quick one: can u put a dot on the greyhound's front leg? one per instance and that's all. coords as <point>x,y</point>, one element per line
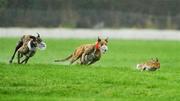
<point>25,60</point>
<point>92,62</point>
<point>19,56</point>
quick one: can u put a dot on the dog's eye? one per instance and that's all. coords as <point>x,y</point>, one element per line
<point>39,40</point>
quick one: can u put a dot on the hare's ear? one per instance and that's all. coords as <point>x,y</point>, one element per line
<point>38,35</point>
<point>98,39</point>
<point>157,60</point>
<point>152,59</point>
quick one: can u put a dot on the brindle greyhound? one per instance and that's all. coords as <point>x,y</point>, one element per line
<point>27,47</point>
<point>88,53</point>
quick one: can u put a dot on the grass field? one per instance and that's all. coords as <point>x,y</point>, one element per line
<point>113,78</point>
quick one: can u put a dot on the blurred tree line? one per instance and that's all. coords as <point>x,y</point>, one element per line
<point>91,13</point>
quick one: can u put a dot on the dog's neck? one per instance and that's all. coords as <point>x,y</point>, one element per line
<point>32,46</point>
<point>97,47</point>
<point>97,50</point>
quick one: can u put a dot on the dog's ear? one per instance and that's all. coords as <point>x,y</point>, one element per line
<point>38,35</point>
<point>99,40</point>
<point>33,37</point>
<point>106,39</point>
<point>157,60</point>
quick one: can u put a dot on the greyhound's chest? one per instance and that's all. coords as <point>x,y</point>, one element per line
<point>91,57</point>
<point>27,51</point>
<point>23,49</point>
<point>30,53</point>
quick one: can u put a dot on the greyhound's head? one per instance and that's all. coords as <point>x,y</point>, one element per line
<point>102,44</point>
<point>40,44</point>
<point>38,38</point>
<point>36,42</point>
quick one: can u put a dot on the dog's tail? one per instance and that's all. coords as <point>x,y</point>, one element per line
<point>62,60</point>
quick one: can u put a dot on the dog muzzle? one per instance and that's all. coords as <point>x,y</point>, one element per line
<point>103,49</point>
<point>42,46</point>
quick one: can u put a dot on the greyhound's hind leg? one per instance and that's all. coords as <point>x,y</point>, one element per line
<point>19,57</point>
<point>73,59</point>
<point>20,43</point>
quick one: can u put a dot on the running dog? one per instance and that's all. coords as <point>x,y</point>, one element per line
<point>27,47</point>
<point>88,53</point>
<point>150,65</point>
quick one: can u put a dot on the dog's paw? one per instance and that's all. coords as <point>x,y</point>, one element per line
<point>10,61</point>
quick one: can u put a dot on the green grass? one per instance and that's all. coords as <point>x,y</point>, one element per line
<point>114,77</point>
